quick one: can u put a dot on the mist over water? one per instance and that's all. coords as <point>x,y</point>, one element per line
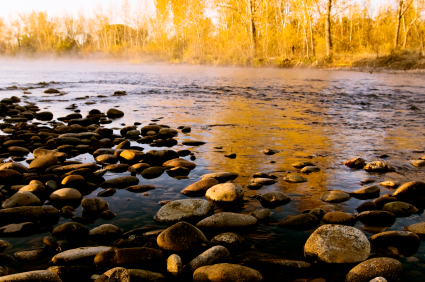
<point>322,116</point>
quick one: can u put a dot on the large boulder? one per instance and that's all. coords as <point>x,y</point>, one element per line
<point>226,272</point>
<point>337,244</point>
<point>388,268</point>
<point>225,193</point>
<point>186,210</point>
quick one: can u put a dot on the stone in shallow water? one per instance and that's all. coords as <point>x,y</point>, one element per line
<point>120,182</point>
<point>130,258</point>
<point>310,169</point>
<point>228,240</point>
<point>65,194</point>
<point>418,228</point>
<point>274,199</point>
<point>78,255</point>
<point>221,176</point>
<point>225,193</point>
<point>337,244</point>
<point>261,214</point>
<point>406,242</point>
<point>334,196</point>
<point>21,198</point>
<point>181,236</point>
<point>355,163</point>
<point>186,210</point>
<point>200,187</point>
<point>37,275</point>
<point>105,233</point>
<point>376,218</point>
<point>227,221</point>
<point>400,209</point>
<point>263,181</point>
<point>418,163</point>
<point>294,178</point>
<point>368,192</point>
<point>214,255</point>
<point>386,267</point>
<point>410,190</point>
<point>117,274</point>
<point>303,221</point>
<point>338,217</point>
<point>302,164</point>
<point>226,272</point>
<point>378,166</point>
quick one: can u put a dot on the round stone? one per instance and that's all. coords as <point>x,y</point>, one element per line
<point>226,192</point>
<point>226,272</point>
<point>334,196</point>
<point>337,244</point>
<point>186,210</point>
<point>181,236</point>
<point>388,268</point>
<point>66,194</point>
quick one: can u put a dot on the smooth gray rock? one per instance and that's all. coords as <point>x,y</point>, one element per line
<point>186,210</point>
<point>78,255</point>
<point>181,236</point>
<point>227,221</point>
<point>388,268</point>
<point>225,193</point>
<point>216,254</point>
<point>32,276</point>
<point>21,198</point>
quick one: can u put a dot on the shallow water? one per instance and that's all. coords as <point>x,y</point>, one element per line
<point>325,117</point>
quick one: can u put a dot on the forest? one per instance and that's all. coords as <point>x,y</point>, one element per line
<point>280,33</point>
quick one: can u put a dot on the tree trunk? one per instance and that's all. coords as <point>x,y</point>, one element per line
<point>252,29</point>
<point>397,27</point>
<point>328,38</point>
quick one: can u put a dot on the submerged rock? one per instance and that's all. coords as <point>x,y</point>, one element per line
<point>303,221</point>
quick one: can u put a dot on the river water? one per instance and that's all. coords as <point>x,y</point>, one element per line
<point>322,116</point>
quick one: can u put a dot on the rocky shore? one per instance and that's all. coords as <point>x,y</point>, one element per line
<point>40,189</point>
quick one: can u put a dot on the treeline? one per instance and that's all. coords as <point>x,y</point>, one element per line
<point>235,32</point>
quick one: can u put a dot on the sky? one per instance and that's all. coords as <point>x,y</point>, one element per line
<point>54,7</point>
<point>58,7</point>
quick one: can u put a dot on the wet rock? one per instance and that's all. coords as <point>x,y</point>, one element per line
<point>417,228</point>
<point>302,164</point>
<point>37,275</point>
<point>47,215</point>
<point>378,166</point>
<point>285,265</point>
<point>30,255</point>
<point>73,181</point>
<point>52,91</point>
<point>21,198</point>
<point>10,177</point>
<point>227,221</point>
<point>367,206</point>
<point>114,113</point>
<point>44,116</point>
<point>108,159</point>
<point>18,151</point>
<point>107,192</point>
<point>221,176</point>
<point>380,202</point>
<point>376,218</point>
<point>140,188</point>
<point>263,181</point>
<point>193,143</point>
<point>39,152</point>
<point>369,192</point>
<point>400,209</point>
<point>5,259</point>
<point>200,187</point>
<point>178,171</point>
<point>273,199</point>
<point>116,167</point>
<point>261,214</point>
<point>228,239</point>
<point>34,187</point>
<point>17,229</point>
<point>132,155</point>
<point>107,215</point>
<point>390,184</point>
<point>269,152</point>
<point>161,156</point>
<point>67,168</point>
<point>338,217</point>
<point>78,256</point>
<point>14,166</point>
<point>225,193</point>
<point>386,267</point>
<point>355,163</point>
<point>174,265</point>
<point>334,196</point>
<point>418,163</point>
<point>130,258</point>
<point>254,186</point>
<point>94,205</point>
<point>152,172</point>
<point>303,221</point>
<point>139,167</point>
<point>187,210</point>
<point>179,163</point>
<point>378,279</point>
<point>406,242</point>
<point>214,255</point>
<point>317,212</point>
<point>410,189</point>
<point>294,178</point>
<point>181,236</point>
<point>310,169</point>
<point>226,272</point>
<point>117,274</point>
<point>71,231</point>
<point>3,245</point>
<point>120,182</point>
<point>337,244</point>
<point>145,275</point>
<point>105,233</point>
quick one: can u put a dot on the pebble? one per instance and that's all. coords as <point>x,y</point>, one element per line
<point>400,209</point>
<point>174,265</point>
<point>355,163</point>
